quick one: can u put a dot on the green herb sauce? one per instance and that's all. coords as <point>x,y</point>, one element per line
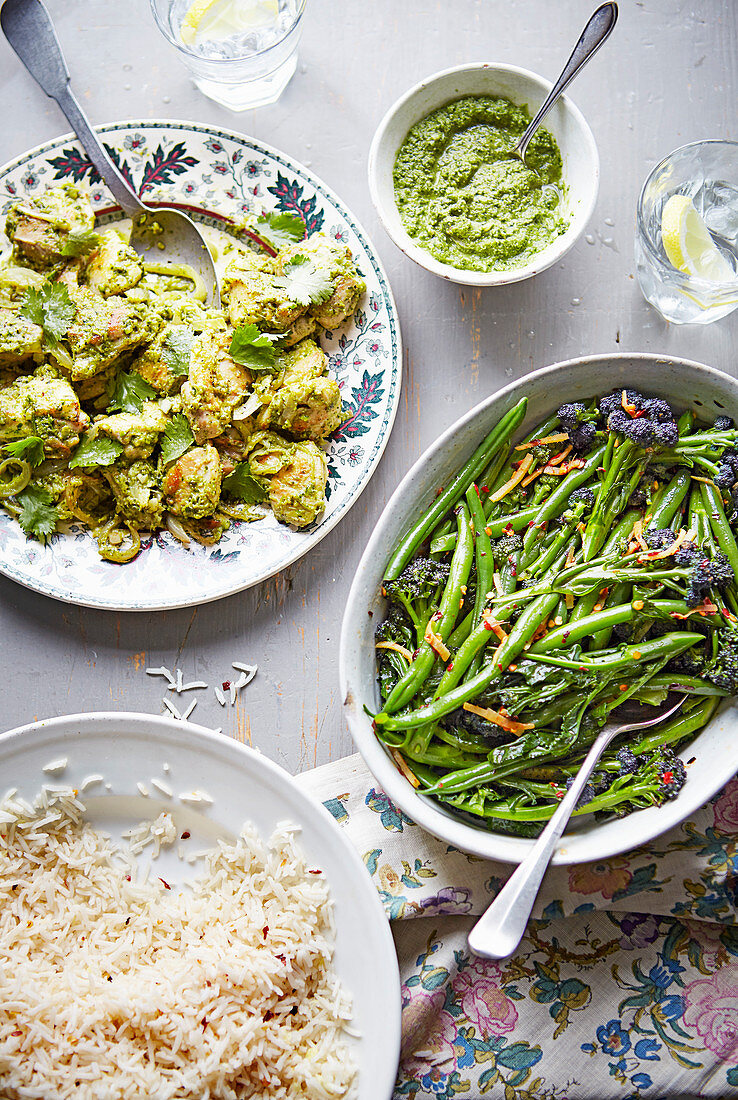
<point>464,199</point>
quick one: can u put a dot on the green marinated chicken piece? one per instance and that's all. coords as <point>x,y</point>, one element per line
<point>251,296</point>
<point>347,284</point>
<point>215,387</point>
<point>38,228</point>
<point>113,267</point>
<point>298,398</point>
<point>269,453</point>
<point>19,338</point>
<point>234,444</point>
<point>137,492</point>
<point>192,483</point>
<point>297,492</point>
<point>307,409</point>
<point>303,326</point>
<point>138,432</point>
<point>165,362</point>
<point>43,405</point>
<point>104,328</point>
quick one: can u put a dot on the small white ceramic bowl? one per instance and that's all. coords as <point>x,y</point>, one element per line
<point>581,166</point>
<point>715,749</point>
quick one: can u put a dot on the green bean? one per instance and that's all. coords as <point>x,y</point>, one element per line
<point>679,727</point>
<point>496,438</point>
<point>662,513</point>
<point>408,685</point>
<point>718,523</point>
<point>619,593</point>
<point>673,644</point>
<point>560,496</point>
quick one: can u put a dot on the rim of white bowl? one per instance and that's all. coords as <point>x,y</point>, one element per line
<point>475,840</point>
<point>421,256</point>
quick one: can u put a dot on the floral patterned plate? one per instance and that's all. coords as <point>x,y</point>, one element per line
<point>216,176</point>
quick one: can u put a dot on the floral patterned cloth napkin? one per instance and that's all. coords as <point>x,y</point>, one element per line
<point>624,986</point>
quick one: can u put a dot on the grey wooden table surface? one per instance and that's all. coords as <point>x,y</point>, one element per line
<point>669,75</point>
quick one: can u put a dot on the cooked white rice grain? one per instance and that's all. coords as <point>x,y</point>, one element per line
<point>117,988</point>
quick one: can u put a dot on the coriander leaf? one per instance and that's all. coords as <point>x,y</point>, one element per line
<point>304,282</point>
<point>243,486</point>
<point>80,242</point>
<point>175,350</point>
<point>98,451</point>
<point>176,439</point>
<point>38,515</point>
<point>130,393</point>
<point>252,349</point>
<point>30,450</point>
<point>283,228</point>
<point>51,307</point>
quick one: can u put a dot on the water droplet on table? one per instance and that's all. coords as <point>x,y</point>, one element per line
<point>609,221</point>
<point>610,243</point>
<point>167,99</point>
<point>589,239</point>
<point>126,87</point>
<point>531,334</point>
<point>127,68</point>
<point>576,301</point>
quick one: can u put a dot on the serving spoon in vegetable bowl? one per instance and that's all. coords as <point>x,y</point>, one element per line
<point>499,931</point>
<point>159,233</point>
<point>597,31</point>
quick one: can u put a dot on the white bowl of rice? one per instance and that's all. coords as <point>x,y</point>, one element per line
<point>179,919</point>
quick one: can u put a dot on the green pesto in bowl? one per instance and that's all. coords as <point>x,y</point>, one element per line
<point>463,198</point>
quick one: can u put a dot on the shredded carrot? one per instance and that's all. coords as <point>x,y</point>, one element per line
<point>517,477</point>
<point>569,600</point>
<point>493,625</point>
<point>436,642</point>
<point>561,456</point>
<point>398,759</point>
<point>499,719</point>
<point>532,477</point>
<point>555,469</point>
<point>497,581</point>
<point>559,438</point>
<point>668,551</point>
<point>704,480</point>
<point>397,648</point>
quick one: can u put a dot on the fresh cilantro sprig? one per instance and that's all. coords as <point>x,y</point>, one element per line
<point>96,451</point>
<point>241,485</point>
<point>304,281</point>
<point>38,514</point>
<point>51,307</point>
<point>80,242</point>
<point>31,450</point>
<point>253,349</point>
<point>279,229</point>
<point>175,350</point>
<point>176,439</point>
<point>130,393</point>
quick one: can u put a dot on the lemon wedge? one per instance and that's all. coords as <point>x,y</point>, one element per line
<point>688,243</point>
<point>214,20</point>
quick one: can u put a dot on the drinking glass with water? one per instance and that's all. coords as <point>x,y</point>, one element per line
<point>241,53</point>
<point>687,233</point>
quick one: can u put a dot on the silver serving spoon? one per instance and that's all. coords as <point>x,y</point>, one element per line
<point>598,29</point>
<point>499,931</point>
<point>158,233</point>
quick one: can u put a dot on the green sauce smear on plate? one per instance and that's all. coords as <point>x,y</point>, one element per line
<point>463,197</point>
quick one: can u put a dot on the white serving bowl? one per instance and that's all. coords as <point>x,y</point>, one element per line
<point>715,749</point>
<point>581,166</point>
<point>128,749</point>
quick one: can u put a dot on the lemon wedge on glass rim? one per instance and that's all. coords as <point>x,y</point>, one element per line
<point>213,20</point>
<point>688,243</point>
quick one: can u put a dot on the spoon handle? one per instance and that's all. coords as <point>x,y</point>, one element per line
<point>596,32</point>
<point>29,30</point>
<point>499,931</point>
